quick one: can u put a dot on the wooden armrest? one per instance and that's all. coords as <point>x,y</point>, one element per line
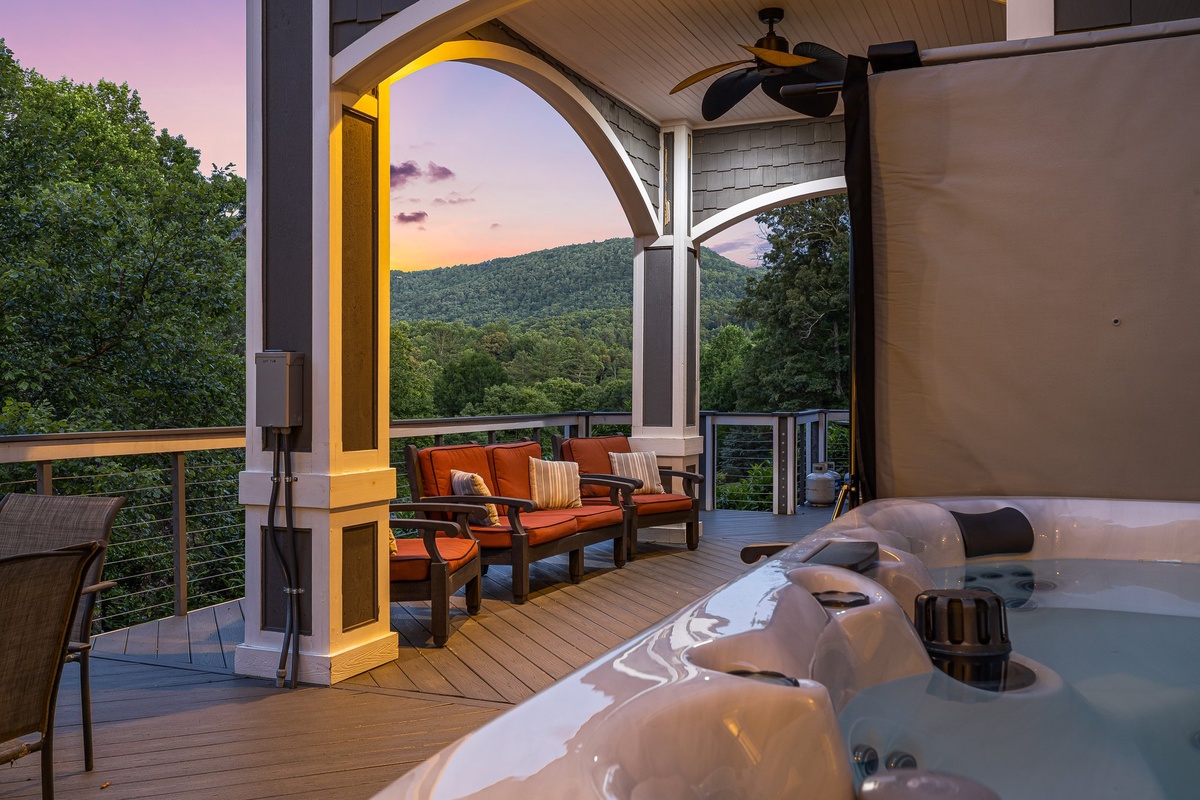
<point>694,477</point>
<point>97,587</point>
<point>620,489</point>
<point>512,502</point>
<point>429,529</point>
<point>423,507</point>
<point>610,480</point>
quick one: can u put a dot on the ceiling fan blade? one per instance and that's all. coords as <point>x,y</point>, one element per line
<point>776,58</point>
<point>830,65</point>
<point>727,91</point>
<point>816,104</point>
<point>704,73</point>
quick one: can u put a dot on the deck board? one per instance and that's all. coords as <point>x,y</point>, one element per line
<point>166,728</point>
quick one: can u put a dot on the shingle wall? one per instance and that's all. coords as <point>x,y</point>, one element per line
<point>730,165</point>
<point>350,19</point>
<point>638,135</point>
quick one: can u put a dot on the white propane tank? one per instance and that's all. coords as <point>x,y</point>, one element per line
<point>820,485</point>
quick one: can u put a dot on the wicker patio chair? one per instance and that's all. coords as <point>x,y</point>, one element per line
<point>31,523</point>
<point>38,596</point>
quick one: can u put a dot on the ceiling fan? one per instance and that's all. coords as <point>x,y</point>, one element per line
<point>811,74</point>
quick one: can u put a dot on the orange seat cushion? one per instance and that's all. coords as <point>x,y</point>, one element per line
<point>593,516</point>
<point>591,454</point>
<point>648,504</point>
<point>411,562</point>
<point>436,463</point>
<point>510,466</point>
<point>542,526</point>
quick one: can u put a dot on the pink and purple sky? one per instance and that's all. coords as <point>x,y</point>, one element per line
<point>481,166</point>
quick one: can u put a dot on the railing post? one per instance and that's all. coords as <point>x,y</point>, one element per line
<point>823,432</point>
<point>179,529</point>
<point>586,425</point>
<point>783,459</point>
<point>708,464</point>
<point>45,477</point>
<point>791,457</point>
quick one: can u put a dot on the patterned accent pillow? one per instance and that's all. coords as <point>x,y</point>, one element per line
<point>554,484</point>
<point>643,466</point>
<point>469,483</point>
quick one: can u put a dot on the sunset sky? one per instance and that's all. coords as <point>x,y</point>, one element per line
<point>481,166</point>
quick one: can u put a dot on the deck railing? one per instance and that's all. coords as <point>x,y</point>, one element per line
<point>178,544</point>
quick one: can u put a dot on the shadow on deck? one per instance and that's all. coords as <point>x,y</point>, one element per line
<point>172,720</point>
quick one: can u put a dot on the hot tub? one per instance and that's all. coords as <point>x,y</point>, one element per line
<point>803,679</point>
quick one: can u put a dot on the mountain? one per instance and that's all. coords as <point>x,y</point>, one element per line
<point>576,279</point>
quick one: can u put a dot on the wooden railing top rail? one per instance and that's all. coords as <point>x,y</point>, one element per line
<point>98,444</point>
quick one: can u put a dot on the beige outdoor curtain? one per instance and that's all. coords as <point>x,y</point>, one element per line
<point>1036,224</point>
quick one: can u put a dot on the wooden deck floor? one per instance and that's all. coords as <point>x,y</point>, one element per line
<point>171,720</point>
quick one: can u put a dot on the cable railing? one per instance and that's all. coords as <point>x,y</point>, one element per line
<point>178,544</point>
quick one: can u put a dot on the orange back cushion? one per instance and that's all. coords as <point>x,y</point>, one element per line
<point>510,467</point>
<point>436,463</point>
<point>591,454</point>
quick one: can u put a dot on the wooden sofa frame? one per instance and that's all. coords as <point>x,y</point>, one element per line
<point>690,517</point>
<point>522,553</point>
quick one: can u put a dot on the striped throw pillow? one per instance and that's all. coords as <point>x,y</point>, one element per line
<point>643,466</point>
<point>469,483</point>
<point>554,484</point>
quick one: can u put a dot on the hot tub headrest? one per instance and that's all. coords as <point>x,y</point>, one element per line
<point>1005,530</point>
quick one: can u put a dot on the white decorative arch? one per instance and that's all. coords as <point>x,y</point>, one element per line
<point>570,103</point>
<point>765,202</point>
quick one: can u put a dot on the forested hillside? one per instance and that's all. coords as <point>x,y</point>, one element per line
<point>577,279</point>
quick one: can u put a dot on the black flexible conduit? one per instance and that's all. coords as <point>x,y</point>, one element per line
<point>294,589</point>
<point>291,632</point>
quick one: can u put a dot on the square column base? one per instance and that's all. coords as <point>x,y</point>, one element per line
<point>319,668</point>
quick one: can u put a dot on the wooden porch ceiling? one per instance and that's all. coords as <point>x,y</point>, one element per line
<point>171,720</point>
<point>637,51</point>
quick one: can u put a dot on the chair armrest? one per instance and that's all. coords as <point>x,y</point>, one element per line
<point>690,479</point>
<point>693,477</point>
<point>96,588</point>
<point>423,507</point>
<point>610,480</point>
<point>429,529</point>
<point>512,502</point>
<point>616,484</point>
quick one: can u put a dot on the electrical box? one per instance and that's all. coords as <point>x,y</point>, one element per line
<point>279,389</point>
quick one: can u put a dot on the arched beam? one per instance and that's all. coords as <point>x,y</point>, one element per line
<point>765,202</point>
<point>405,36</point>
<point>568,101</point>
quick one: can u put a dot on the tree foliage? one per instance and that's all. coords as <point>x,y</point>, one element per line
<point>799,310</point>
<point>121,265</point>
<point>578,282</point>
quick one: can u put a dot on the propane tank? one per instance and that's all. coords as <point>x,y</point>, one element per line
<point>820,485</point>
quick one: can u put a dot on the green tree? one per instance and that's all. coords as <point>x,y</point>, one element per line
<point>121,265</point>
<point>412,380</point>
<point>722,368</point>
<point>800,309</point>
<point>504,398</point>
<point>464,381</point>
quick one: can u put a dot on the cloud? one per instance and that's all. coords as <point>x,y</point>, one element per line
<point>409,218</point>
<point>402,173</point>
<point>439,173</point>
<point>736,244</point>
<point>495,225</point>
<point>453,199</point>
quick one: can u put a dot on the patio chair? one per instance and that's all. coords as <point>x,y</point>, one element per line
<point>524,533</point>
<point>39,593</point>
<point>650,509</point>
<point>445,559</point>
<point>31,523</point>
